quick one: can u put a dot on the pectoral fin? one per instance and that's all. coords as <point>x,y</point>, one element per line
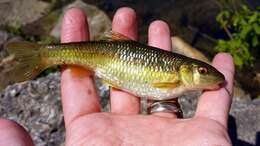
<point>166,85</point>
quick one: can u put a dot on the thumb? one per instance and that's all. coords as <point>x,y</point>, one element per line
<point>12,133</point>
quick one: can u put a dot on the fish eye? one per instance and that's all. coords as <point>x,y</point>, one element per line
<point>203,70</point>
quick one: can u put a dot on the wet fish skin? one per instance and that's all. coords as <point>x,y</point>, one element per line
<point>125,64</point>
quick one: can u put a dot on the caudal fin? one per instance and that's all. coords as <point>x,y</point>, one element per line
<point>26,63</point>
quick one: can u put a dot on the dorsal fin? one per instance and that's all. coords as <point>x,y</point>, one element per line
<point>112,35</point>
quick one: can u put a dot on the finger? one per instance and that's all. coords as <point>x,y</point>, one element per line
<point>12,134</point>
<point>125,23</point>
<point>78,92</point>
<point>159,36</point>
<point>216,104</point>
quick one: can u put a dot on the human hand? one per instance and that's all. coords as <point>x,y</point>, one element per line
<point>86,125</point>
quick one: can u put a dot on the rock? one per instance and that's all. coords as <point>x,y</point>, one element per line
<point>21,12</point>
<point>36,105</point>
<point>244,123</point>
<point>181,47</point>
<point>46,28</point>
<point>244,119</point>
<point>98,21</point>
<point>4,38</point>
<point>240,94</point>
<point>103,91</point>
<point>192,20</point>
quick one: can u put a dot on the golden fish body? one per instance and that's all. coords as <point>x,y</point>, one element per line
<point>128,65</point>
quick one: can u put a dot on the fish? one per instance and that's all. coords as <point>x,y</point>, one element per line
<point>120,62</point>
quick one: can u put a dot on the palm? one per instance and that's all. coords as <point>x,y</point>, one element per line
<point>118,129</point>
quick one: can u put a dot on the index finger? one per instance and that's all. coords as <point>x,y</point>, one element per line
<point>216,104</point>
<point>78,92</point>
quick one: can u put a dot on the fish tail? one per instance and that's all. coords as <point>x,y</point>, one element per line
<point>27,58</point>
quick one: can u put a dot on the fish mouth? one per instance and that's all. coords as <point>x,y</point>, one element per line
<point>218,84</point>
<point>208,87</point>
<point>215,86</point>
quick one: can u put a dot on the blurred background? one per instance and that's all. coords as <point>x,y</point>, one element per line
<point>208,26</point>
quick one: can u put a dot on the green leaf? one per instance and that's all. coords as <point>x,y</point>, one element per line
<point>257,28</point>
<point>223,18</point>
<point>253,18</point>
<point>244,24</point>
<point>238,61</point>
<point>245,8</point>
<point>255,41</point>
<point>246,29</point>
<point>236,19</point>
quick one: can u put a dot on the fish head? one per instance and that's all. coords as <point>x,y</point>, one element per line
<point>198,75</point>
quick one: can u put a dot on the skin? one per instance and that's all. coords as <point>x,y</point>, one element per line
<point>86,125</point>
